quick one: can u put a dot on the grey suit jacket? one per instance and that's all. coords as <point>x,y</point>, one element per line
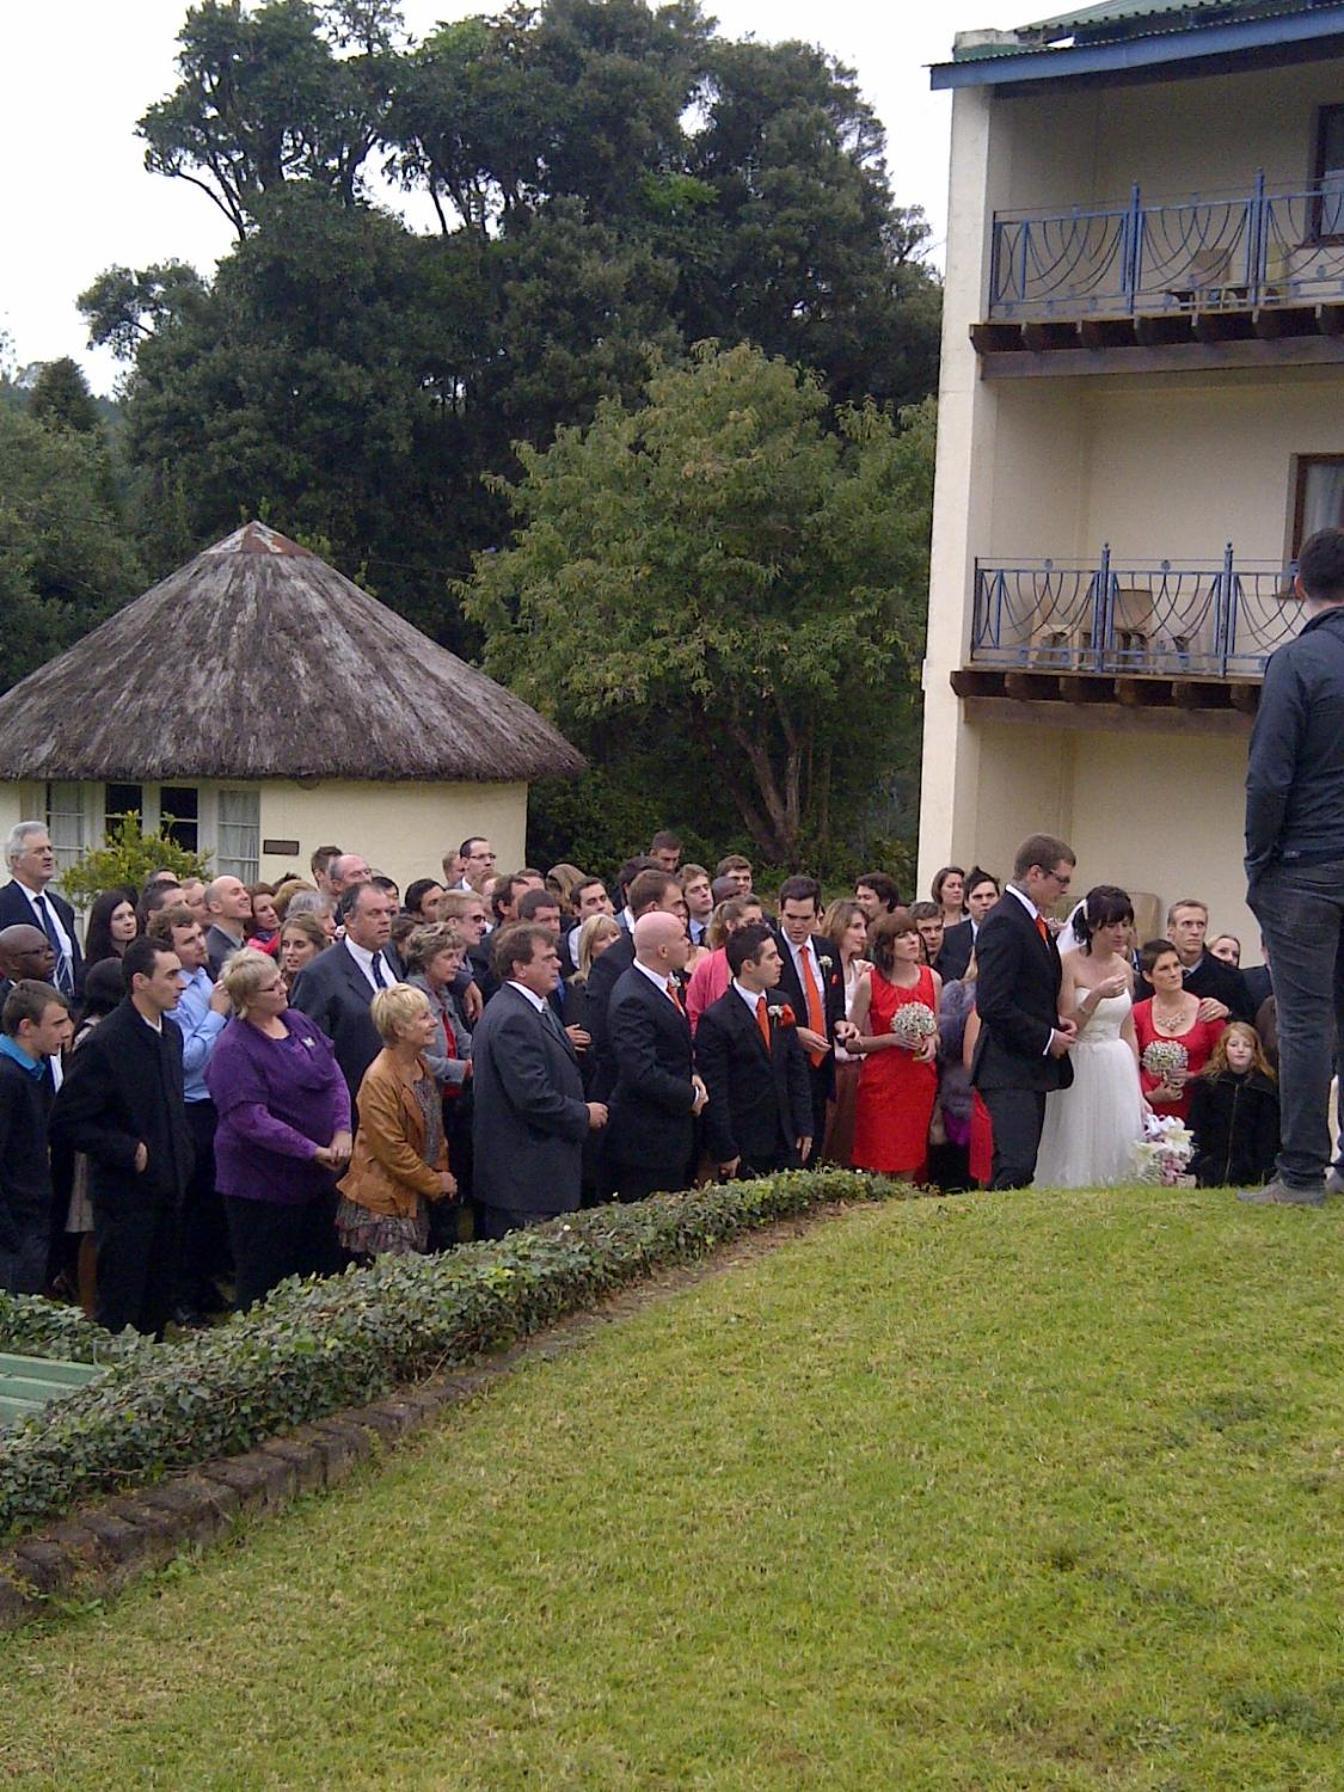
<point>334,993</point>
<point>529,1118</point>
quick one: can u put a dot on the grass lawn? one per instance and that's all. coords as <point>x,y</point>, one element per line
<point>1003,1492</point>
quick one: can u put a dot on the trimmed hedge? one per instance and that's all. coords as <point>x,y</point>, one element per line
<point>314,1347</point>
<point>31,1326</point>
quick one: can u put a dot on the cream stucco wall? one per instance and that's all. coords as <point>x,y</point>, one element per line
<point>1160,814</point>
<point>402,829</point>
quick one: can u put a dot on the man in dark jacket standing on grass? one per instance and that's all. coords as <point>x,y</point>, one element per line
<point>1295,867</point>
<point>35,1023</point>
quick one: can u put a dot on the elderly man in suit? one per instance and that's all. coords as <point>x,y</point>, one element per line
<point>813,983</point>
<point>336,988</point>
<point>27,898</point>
<point>122,1103</point>
<point>651,1139</point>
<point>759,1116</point>
<point>1022,1052</point>
<point>529,1118</point>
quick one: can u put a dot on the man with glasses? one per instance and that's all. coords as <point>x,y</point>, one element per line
<point>29,900</point>
<point>1023,1049</point>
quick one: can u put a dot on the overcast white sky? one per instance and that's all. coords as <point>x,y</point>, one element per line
<point>76,74</point>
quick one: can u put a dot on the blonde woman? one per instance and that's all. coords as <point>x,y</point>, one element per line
<point>595,936</point>
<point>400,1162</point>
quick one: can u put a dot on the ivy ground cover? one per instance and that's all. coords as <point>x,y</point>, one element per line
<point>999,1492</point>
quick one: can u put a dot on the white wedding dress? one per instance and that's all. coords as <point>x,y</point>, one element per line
<point>1091,1126</point>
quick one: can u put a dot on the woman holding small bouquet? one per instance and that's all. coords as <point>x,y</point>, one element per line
<point>894,1028</point>
<point>1174,1043</point>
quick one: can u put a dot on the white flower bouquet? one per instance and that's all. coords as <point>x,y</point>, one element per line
<point>913,1023</point>
<point>1165,1058</point>
<point>1162,1155</point>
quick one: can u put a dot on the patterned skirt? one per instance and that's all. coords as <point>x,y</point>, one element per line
<point>382,1234</point>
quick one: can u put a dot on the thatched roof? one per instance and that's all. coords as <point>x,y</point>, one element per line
<point>258,660</point>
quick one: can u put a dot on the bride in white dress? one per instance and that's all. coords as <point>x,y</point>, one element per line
<point>1091,1127</point>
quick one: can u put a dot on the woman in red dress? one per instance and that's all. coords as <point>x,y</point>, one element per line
<point>1171,1013</point>
<point>898,1083</point>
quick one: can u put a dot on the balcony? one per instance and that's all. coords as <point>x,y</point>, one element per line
<point>1233,279</point>
<point>1131,635</point>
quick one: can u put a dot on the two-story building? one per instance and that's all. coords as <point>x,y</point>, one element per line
<point>1142,417</point>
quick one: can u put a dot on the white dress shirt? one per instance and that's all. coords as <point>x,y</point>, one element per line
<point>364,959</point>
<point>655,977</point>
<point>538,1002</point>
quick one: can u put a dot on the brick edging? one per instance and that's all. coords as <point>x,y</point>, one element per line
<point>99,1549</point>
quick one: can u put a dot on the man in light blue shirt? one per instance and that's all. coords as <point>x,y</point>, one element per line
<point>201,1015</point>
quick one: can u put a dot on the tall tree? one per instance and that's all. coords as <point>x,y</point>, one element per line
<point>65,562</point>
<point>264,98</point>
<point>60,398</point>
<point>719,560</point>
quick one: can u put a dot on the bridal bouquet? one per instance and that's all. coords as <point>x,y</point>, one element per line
<point>1164,1151</point>
<point>913,1023</point>
<point>1165,1058</point>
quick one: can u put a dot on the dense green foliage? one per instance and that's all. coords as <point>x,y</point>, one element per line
<point>1034,1492</point>
<point>66,556</point>
<point>614,183</point>
<point>31,1326</point>
<point>718,567</point>
<point>313,1347</point>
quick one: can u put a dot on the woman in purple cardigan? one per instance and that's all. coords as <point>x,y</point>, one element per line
<point>284,1132</point>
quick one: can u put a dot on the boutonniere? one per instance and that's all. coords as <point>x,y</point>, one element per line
<point>826,961</point>
<point>784,1015</point>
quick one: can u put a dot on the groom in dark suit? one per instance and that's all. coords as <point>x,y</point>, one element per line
<point>1022,1051</point>
<point>759,1117</point>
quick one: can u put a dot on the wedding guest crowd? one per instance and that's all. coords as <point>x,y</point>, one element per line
<point>280,1078</point>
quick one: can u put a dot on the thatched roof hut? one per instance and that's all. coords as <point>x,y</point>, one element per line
<point>256,661</point>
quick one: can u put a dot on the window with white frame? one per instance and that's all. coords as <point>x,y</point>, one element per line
<point>238,835</point>
<point>65,822</point>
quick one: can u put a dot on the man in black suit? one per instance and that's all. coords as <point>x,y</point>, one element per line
<point>959,942</point>
<point>650,1143</point>
<point>1022,1051</point>
<point>34,1027</point>
<point>813,984</point>
<point>122,1103</point>
<point>28,898</point>
<point>648,891</point>
<point>336,988</point>
<point>759,1114</point>
<point>529,1119</point>
<point>1220,987</point>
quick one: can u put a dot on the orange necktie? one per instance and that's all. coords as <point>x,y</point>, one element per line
<point>674,996</point>
<point>1042,929</point>
<point>816,1014</point>
<point>763,1020</point>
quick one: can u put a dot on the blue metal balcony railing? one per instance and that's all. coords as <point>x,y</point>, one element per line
<point>1168,618</point>
<point>1210,253</point>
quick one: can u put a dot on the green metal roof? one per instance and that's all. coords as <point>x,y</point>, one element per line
<point>1118,21</point>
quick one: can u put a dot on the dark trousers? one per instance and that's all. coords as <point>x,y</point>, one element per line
<point>135,1248</point>
<point>23,1267</point>
<point>1017,1116</point>
<point>1301,914</point>
<point>817,1080</point>
<point>203,1234</point>
<point>636,1182</point>
<point>498,1222</point>
<point>275,1239</point>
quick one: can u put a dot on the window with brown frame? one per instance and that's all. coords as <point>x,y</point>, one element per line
<point>1328,175</point>
<point>1318,497</point>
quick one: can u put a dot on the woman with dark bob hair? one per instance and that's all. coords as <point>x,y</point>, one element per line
<point>1091,1129</point>
<point>894,1030</point>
